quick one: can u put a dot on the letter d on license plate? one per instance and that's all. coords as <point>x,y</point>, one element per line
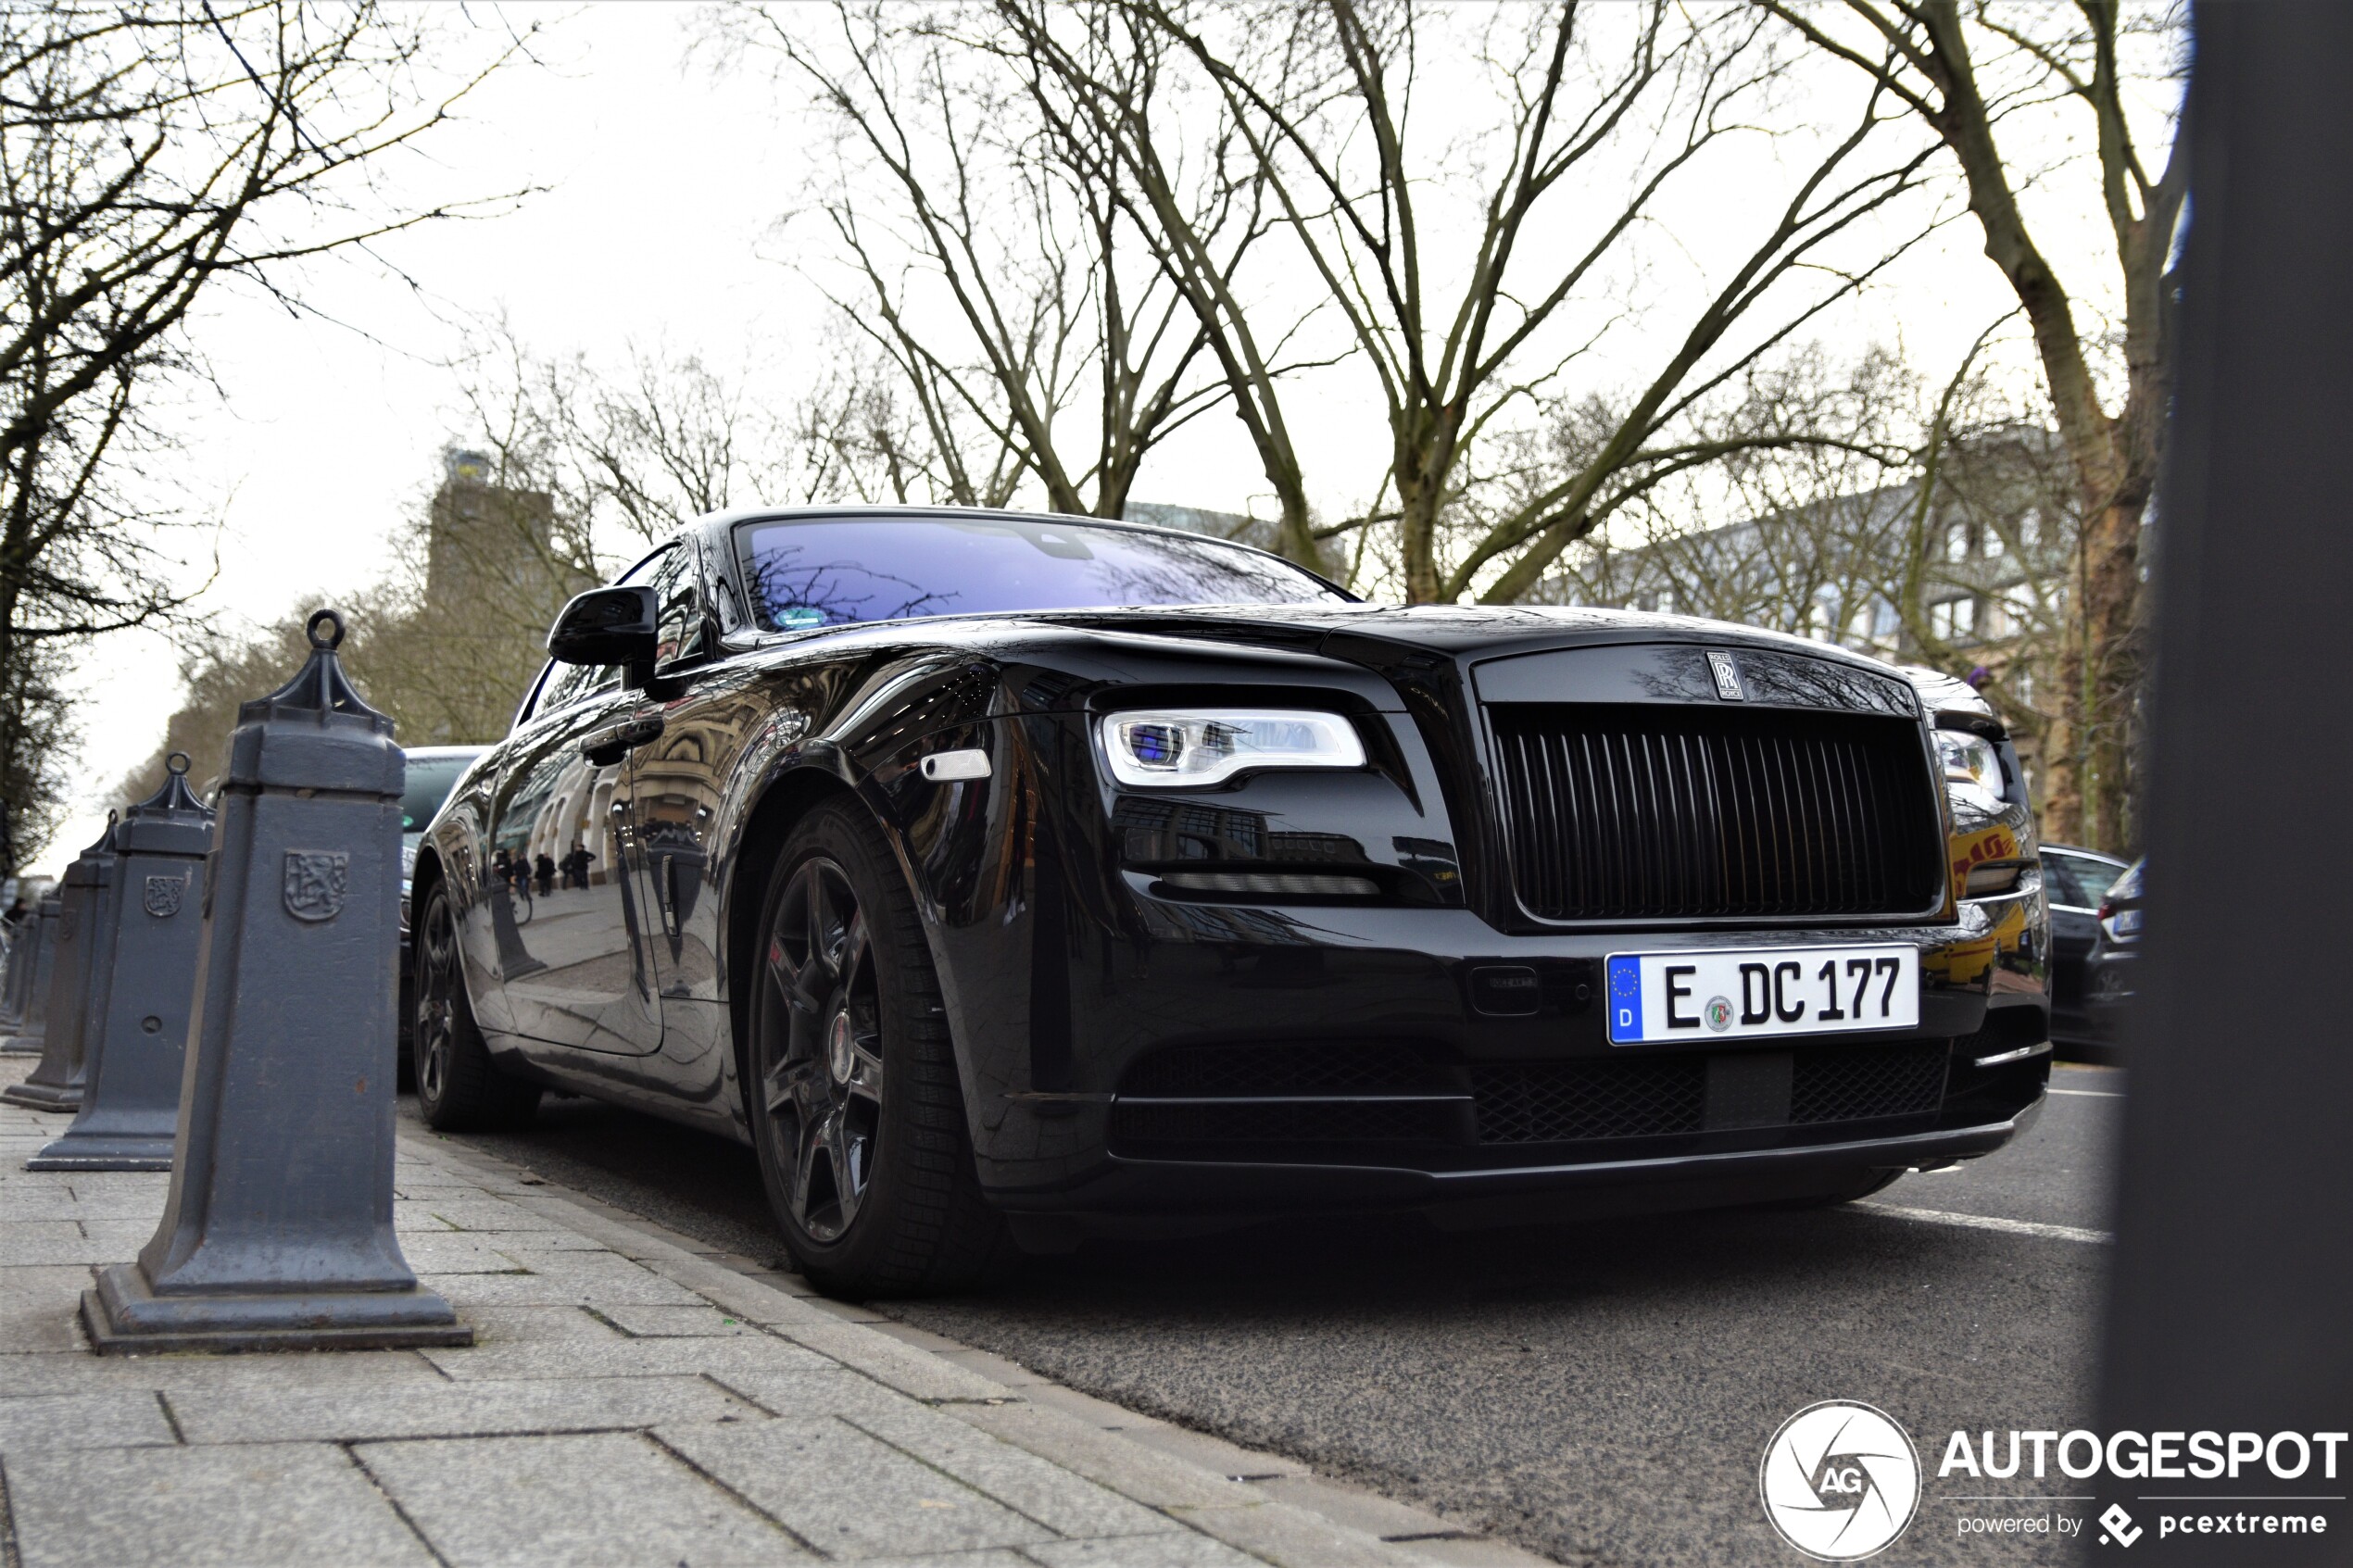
<point>1741,993</point>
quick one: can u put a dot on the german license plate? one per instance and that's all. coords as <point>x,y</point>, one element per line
<point>1745,993</point>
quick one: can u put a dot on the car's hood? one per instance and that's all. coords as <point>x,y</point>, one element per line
<point>1459,630</point>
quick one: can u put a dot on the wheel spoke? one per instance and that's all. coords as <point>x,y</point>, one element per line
<point>789,1084</point>
<point>811,1141</point>
<point>846,1153</point>
<point>821,923</point>
<point>853,948</point>
<point>866,1076</point>
<point>793,982</point>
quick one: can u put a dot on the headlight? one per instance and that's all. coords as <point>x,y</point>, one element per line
<point>1207,746</point>
<point>1970,763</point>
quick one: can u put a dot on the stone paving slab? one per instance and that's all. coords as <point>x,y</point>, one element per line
<point>204,1508</point>
<point>847,1494</point>
<point>629,1399</point>
<point>611,1498</point>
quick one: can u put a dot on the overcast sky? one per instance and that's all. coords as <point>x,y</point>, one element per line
<point>661,185</point>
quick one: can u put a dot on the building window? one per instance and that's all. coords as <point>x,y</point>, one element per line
<point>1956,542</point>
<point>2029,524</point>
<point>1954,620</point>
<point>1993,542</point>
<point>1884,619</point>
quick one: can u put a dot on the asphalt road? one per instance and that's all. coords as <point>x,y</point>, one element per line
<point>1599,1393</point>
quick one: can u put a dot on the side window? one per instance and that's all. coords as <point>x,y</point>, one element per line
<point>678,635</point>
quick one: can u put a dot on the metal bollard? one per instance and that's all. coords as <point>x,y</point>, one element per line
<point>278,1231</point>
<point>29,976</point>
<point>85,938</point>
<point>137,1035</point>
<point>12,976</point>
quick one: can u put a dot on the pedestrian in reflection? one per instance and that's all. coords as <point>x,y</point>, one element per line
<point>501,871</point>
<point>544,868</point>
<point>576,864</point>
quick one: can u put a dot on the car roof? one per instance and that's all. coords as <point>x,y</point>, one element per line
<point>2087,854</point>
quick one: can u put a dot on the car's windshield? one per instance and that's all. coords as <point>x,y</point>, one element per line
<point>829,571</point>
<point>430,780</point>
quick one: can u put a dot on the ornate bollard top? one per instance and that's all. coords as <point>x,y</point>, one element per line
<point>315,731</point>
<point>171,821</point>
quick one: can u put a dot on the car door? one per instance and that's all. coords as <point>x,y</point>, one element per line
<point>573,956</point>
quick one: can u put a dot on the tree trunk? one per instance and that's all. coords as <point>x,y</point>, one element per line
<point>2111,669</point>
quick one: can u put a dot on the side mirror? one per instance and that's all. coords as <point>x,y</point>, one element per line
<point>606,626</point>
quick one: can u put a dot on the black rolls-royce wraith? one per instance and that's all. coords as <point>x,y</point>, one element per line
<point>1014,878</point>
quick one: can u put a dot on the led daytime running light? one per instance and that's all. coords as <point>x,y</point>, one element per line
<point>1207,746</point>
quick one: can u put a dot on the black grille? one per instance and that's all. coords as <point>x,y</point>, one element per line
<point>1379,1067</point>
<point>1308,1122</point>
<point>1667,1096</point>
<point>1860,1082</point>
<point>1615,812</point>
<point>1565,1101</point>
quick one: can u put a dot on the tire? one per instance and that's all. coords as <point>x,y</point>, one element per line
<point>851,1090</point>
<point>459,1089</point>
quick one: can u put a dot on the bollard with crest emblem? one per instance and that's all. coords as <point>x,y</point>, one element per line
<point>136,1034</point>
<point>29,973</point>
<point>85,938</point>
<point>277,1233</point>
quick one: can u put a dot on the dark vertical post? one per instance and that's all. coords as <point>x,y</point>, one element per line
<point>39,962</point>
<point>85,935</point>
<point>136,1042</point>
<point>2233,1280</point>
<point>277,1233</point>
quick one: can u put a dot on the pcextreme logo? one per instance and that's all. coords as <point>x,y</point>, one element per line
<point>1840,1481</point>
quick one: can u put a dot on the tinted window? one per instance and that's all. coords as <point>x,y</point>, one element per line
<point>429,781</point>
<point>2077,879</point>
<point>678,608</point>
<point>827,572</point>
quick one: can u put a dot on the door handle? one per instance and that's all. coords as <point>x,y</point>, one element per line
<point>606,747</point>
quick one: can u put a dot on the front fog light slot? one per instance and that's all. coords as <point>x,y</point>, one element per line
<point>1986,881</point>
<point>1273,885</point>
<point>1207,746</point>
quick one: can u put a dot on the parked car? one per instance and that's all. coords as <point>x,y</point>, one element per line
<point>2074,881</point>
<point>433,771</point>
<point>1003,877</point>
<point>2107,974</point>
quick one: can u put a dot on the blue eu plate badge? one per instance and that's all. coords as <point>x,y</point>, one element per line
<point>1625,998</point>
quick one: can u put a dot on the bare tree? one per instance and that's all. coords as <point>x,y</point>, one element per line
<point>1965,73</point>
<point>147,154</point>
<point>1194,188</point>
<point>989,254</point>
<point>1445,257</point>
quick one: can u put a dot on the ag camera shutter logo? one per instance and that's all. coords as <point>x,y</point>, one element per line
<point>1840,1481</point>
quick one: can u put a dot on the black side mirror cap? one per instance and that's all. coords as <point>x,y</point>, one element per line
<point>606,626</point>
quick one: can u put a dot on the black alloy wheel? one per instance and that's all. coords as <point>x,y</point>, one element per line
<point>823,1084</point>
<point>851,1084</point>
<point>459,1087</point>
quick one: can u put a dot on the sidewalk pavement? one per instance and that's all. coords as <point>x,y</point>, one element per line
<point>630,1399</point>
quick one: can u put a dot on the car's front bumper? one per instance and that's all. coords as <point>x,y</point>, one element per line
<point>1065,1141</point>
